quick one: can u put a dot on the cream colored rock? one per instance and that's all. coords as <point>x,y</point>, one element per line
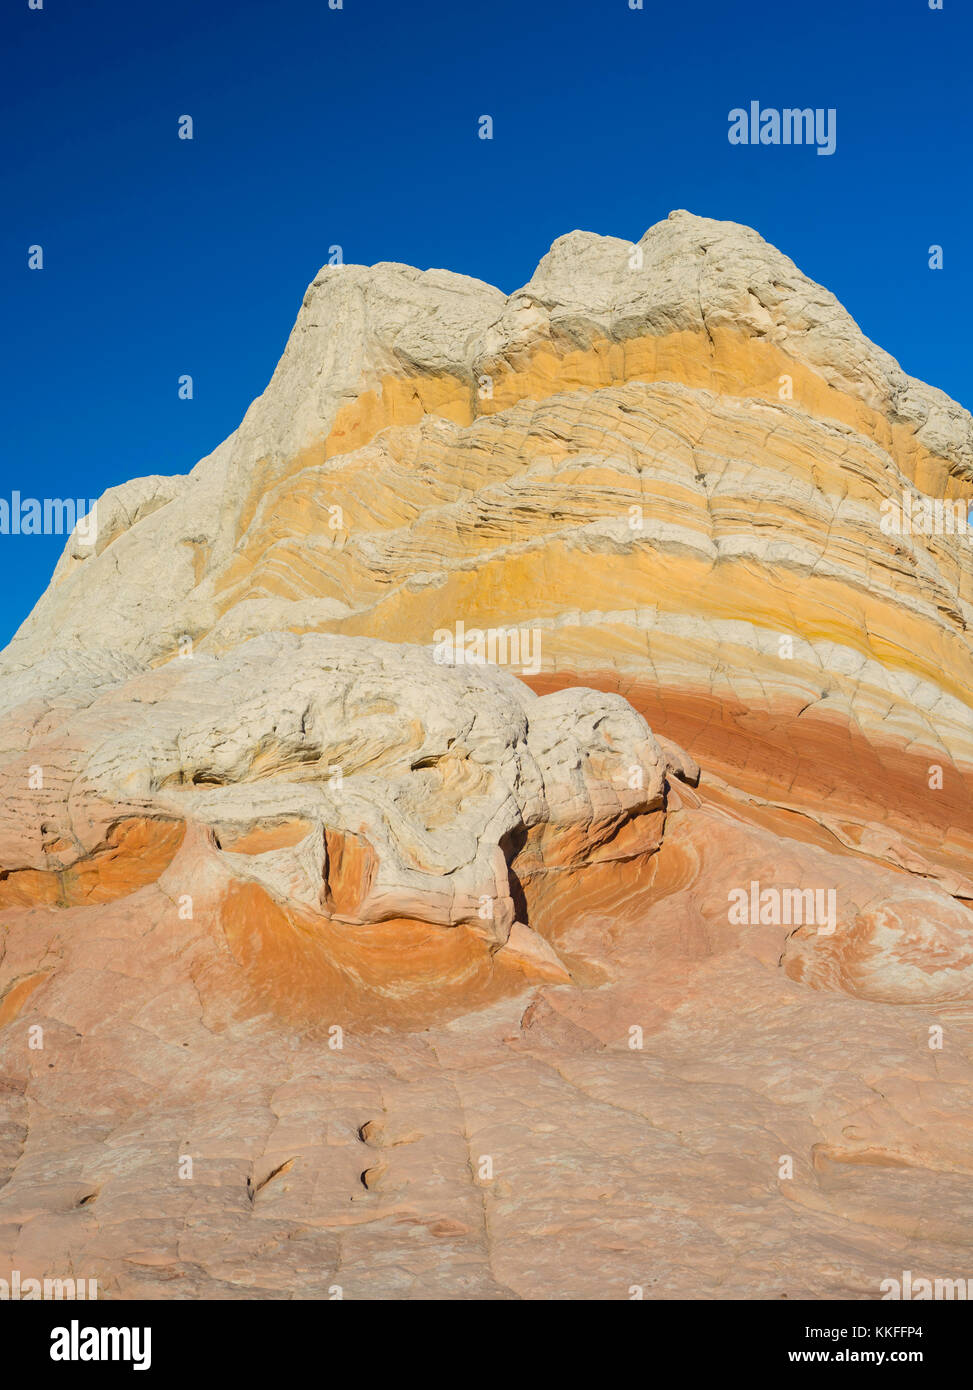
<point>689,274</point>
<point>336,919</point>
<point>453,427</point>
<point>425,779</point>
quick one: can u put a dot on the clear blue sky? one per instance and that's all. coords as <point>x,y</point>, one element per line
<point>358,127</point>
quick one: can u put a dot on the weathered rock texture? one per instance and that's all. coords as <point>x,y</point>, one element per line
<point>432,975</point>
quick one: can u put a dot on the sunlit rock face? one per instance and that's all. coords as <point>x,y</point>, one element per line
<point>365,918</point>
<point>353,781</point>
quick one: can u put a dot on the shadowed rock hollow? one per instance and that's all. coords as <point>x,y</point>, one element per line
<point>332,955</point>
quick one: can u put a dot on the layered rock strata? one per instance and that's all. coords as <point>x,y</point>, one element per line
<point>354,848</point>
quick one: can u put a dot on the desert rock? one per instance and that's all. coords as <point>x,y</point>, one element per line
<point>501,825</point>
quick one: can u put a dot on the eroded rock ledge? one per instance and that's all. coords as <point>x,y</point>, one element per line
<point>334,922</point>
<point>351,780</point>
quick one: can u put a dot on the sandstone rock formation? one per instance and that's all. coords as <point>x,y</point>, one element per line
<point>333,955</point>
<point>353,780</point>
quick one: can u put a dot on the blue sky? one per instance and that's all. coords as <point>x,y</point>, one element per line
<point>358,127</point>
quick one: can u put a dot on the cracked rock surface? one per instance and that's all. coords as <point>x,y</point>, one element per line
<point>334,965</point>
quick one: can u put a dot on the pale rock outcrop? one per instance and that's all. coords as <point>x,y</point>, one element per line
<point>451,427</point>
<point>337,917</point>
<point>413,785</point>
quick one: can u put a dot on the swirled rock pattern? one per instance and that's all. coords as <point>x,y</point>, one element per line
<point>367,926</point>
